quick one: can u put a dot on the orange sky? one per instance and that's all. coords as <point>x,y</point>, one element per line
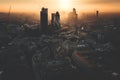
<point>61,5</point>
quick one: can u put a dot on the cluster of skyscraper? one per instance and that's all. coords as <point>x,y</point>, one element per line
<point>55,22</point>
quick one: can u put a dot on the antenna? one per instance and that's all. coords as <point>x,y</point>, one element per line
<point>8,17</point>
<point>9,11</point>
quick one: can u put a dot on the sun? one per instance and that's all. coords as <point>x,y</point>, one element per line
<point>65,4</point>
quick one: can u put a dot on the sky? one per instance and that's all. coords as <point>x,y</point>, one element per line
<point>60,5</point>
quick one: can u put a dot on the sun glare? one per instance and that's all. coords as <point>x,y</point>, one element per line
<point>65,4</point>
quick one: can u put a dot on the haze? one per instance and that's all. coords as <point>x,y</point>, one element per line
<point>61,5</point>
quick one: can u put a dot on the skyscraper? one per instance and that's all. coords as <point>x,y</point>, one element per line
<point>73,17</point>
<point>55,20</point>
<point>44,20</point>
<point>97,13</point>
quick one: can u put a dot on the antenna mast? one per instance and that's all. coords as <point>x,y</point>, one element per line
<point>9,11</point>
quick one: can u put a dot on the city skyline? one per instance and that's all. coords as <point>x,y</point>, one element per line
<point>61,5</point>
<point>59,40</point>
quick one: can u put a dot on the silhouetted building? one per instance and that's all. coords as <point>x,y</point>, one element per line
<point>44,20</point>
<point>73,16</point>
<point>53,19</point>
<point>55,22</point>
<point>58,19</point>
<point>97,13</point>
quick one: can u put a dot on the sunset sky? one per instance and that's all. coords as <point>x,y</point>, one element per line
<point>61,5</point>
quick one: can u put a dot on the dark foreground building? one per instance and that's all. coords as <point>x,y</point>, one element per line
<point>44,20</point>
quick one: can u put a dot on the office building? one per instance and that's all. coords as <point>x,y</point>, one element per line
<point>97,13</point>
<point>44,20</point>
<point>73,17</point>
<point>55,22</point>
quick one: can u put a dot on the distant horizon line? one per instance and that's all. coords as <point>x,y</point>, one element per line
<point>35,12</point>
